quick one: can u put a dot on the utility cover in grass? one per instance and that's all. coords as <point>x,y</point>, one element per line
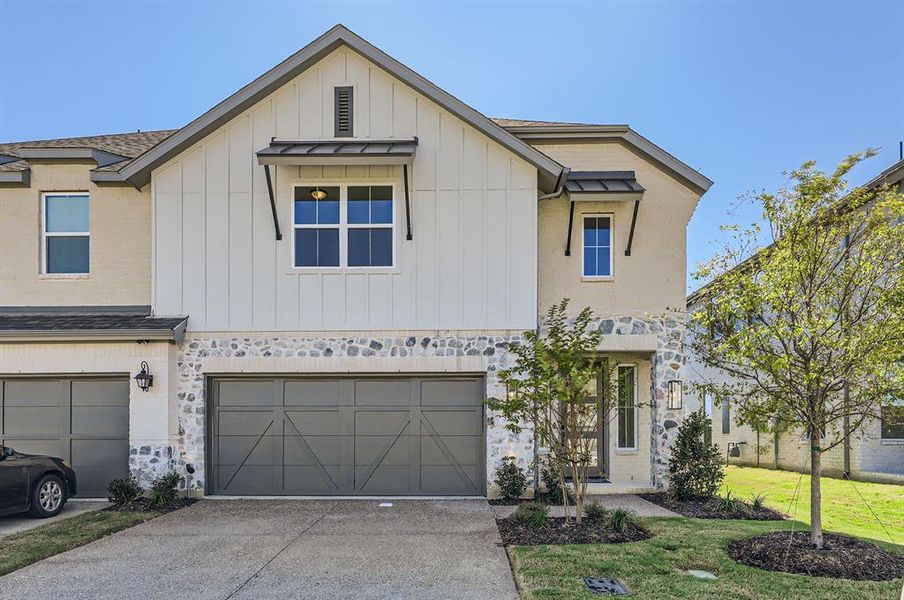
<point>701,574</point>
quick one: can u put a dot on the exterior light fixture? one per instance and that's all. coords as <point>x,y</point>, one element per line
<point>144,379</point>
<point>318,194</point>
<point>676,394</point>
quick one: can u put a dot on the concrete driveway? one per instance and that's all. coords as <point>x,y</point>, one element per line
<point>286,549</point>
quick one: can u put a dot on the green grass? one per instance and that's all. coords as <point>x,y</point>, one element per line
<point>843,511</point>
<point>22,549</point>
<point>655,569</point>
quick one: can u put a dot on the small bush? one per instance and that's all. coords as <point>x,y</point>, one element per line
<point>730,504</point>
<point>620,518</point>
<point>695,468</point>
<point>123,491</point>
<point>758,501</point>
<point>532,514</point>
<point>596,511</point>
<point>553,493</point>
<point>511,479</point>
<point>163,490</point>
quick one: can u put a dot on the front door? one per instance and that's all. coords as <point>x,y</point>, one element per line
<point>598,436</point>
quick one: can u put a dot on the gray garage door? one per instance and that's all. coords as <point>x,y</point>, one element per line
<point>372,436</point>
<point>84,420</point>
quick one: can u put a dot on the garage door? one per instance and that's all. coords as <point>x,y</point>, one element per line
<point>377,436</point>
<point>84,421</point>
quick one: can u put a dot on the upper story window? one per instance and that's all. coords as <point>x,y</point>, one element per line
<point>344,226</point>
<point>597,261</point>
<point>65,233</point>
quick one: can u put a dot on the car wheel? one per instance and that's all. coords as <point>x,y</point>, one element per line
<point>48,497</point>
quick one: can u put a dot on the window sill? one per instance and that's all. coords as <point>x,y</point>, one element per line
<point>63,276</point>
<point>597,279</point>
<point>343,270</point>
<point>891,442</point>
<point>626,451</point>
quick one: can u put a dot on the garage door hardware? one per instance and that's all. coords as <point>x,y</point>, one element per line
<point>606,586</point>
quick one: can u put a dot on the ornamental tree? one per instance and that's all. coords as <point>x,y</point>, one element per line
<point>809,328</point>
<point>547,386</point>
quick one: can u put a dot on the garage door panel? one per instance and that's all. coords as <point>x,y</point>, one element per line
<point>312,450</point>
<point>314,393</point>
<point>99,420</point>
<point>448,480</point>
<point>450,393</point>
<point>385,479</point>
<point>388,450</point>
<point>314,422</point>
<point>34,393</point>
<point>100,393</point>
<point>383,393</point>
<point>464,422</point>
<point>248,449</point>
<point>311,480</point>
<point>96,462</point>
<point>245,393</point>
<point>50,447</point>
<point>244,422</point>
<point>370,436</point>
<point>34,420</point>
<point>369,422</point>
<point>464,449</point>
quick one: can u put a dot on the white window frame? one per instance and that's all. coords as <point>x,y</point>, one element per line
<point>634,448</point>
<point>49,234</point>
<point>611,275</point>
<point>343,225</point>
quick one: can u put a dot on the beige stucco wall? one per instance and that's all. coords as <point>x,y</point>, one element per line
<point>120,244</point>
<point>652,279</point>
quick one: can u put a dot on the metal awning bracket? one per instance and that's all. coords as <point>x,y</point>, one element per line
<point>570,227</point>
<point>408,235</point>
<point>633,223</point>
<point>272,202</point>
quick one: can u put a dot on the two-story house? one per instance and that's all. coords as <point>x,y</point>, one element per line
<point>321,276</point>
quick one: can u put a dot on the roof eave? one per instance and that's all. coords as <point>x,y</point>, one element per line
<point>138,172</point>
<point>174,335</point>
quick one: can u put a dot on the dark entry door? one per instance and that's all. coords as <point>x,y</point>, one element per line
<point>335,436</point>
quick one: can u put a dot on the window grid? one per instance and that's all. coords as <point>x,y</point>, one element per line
<point>596,247</point>
<point>47,236</point>
<point>344,227</point>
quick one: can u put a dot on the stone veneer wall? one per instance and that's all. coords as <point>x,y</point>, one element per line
<point>188,452</point>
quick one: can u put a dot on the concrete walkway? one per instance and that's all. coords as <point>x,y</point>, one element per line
<point>286,549</point>
<point>23,522</point>
<point>636,504</point>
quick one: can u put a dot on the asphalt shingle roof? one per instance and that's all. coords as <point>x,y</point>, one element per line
<point>86,322</point>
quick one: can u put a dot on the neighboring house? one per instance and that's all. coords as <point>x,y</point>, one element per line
<point>875,453</point>
<point>323,273</point>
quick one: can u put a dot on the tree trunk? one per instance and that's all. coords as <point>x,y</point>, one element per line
<point>815,491</point>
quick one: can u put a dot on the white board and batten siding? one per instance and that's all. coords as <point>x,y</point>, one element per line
<point>471,265</point>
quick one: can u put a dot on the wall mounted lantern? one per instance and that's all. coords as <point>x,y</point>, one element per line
<point>144,379</point>
<point>676,394</point>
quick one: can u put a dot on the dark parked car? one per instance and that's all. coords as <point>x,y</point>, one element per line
<point>37,484</point>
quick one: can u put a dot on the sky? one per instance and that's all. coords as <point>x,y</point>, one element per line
<point>741,91</point>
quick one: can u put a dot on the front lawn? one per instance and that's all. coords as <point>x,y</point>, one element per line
<point>22,549</point>
<point>655,568</point>
<point>843,511</point>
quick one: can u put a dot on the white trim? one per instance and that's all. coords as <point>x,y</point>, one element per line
<point>625,449</point>
<point>343,226</point>
<point>45,274</point>
<point>611,275</point>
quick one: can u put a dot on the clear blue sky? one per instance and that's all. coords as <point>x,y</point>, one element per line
<point>740,91</point>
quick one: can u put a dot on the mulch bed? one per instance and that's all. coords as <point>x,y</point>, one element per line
<point>556,531</point>
<point>144,505</point>
<point>541,498</point>
<point>842,557</point>
<point>711,509</point>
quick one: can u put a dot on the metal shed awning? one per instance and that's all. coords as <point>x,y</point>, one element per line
<point>605,186</point>
<point>338,152</point>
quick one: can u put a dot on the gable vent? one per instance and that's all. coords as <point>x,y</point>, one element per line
<point>344,111</point>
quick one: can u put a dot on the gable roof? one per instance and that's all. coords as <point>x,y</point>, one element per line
<point>138,171</point>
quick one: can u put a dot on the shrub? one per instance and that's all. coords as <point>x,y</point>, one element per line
<point>553,493</point>
<point>123,491</point>
<point>596,511</point>
<point>758,501</point>
<point>532,514</point>
<point>695,468</point>
<point>163,490</point>
<point>511,479</point>
<point>729,504</point>
<point>620,518</point>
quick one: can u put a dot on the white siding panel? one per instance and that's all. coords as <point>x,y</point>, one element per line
<point>471,264</point>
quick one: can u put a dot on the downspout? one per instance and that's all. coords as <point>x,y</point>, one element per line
<point>560,188</point>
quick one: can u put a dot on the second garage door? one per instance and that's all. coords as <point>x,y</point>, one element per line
<point>370,436</point>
